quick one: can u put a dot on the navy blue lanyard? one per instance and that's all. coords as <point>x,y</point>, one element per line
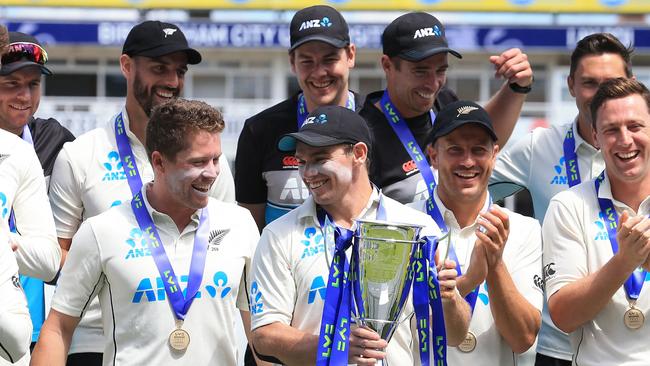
<point>126,156</point>
<point>407,139</point>
<point>571,158</point>
<point>634,283</point>
<point>180,304</point>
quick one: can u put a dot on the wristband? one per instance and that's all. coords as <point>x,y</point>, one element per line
<point>521,89</point>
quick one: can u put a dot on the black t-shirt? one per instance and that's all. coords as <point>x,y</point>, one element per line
<point>262,173</point>
<point>392,168</point>
<point>48,136</point>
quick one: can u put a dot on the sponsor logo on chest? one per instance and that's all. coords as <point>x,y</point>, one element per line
<point>113,169</point>
<point>153,289</point>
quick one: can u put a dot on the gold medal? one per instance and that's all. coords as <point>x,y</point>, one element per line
<point>633,318</point>
<point>469,343</point>
<point>179,338</point>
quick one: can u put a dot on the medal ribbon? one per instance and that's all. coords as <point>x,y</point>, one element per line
<point>303,112</point>
<point>571,158</point>
<point>180,304</point>
<point>634,283</point>
<point>408,140</point>
<point>127,157</point>
<point>334,333</point>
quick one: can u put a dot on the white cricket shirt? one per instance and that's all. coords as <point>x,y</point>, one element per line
<point>291,270</point>
<point>87,180</point>
<point>522,256</point>
<point>576,244</point>
<point>536,162</point>
<point>109,259</point>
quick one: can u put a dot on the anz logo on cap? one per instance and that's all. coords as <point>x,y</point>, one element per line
<point>315,23</point>
<point>426,32</point>
<point>320,119</point>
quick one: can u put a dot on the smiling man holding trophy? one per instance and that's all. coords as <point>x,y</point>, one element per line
<point>300,270</point>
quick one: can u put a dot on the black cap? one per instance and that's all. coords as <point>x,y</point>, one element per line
<point>319,23</point>
<point>414,37</point>
<point>460,113</point>
<point>328,126</point>
<point>155,39</point>
<point>10,67</point>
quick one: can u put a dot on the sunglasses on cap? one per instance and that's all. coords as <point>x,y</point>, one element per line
<point>24,50</point>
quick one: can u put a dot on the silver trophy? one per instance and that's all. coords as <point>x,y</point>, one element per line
<point>382,273</point>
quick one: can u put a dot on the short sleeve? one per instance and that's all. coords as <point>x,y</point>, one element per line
<point>38,254</point>
<point>527,271</point>
<point>253,237</point>
<point>82,277</point>
<point>65,196</point>
<point>565,253</point>
<point>273,289</point>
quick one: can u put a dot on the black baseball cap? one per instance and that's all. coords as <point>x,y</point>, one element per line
<point>414,37</point>
<point>319,23</point>
<point>24,51</point>
<point>458,114</point>
<point>328,126</point>
<point>155,39</point>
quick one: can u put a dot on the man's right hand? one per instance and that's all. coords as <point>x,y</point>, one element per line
<point>366,347</point>
<point>633,235</point>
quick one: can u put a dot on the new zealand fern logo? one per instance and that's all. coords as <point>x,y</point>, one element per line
<point>465,110</point>
<point>215,238</point>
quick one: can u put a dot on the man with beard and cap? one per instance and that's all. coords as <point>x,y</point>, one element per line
<point>321,56</point>
<point>108,165</point>
<point>499,252</point>
<point>597,237</point>
<point>296,252</point>
<point>170,267</point>
<point>401,117</point>
<point>23,65</point>
<point>550,160</point>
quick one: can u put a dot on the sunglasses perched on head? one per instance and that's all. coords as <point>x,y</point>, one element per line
<point>24,50</point>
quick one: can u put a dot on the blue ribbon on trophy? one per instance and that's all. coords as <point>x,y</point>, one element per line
<point>383,255</point>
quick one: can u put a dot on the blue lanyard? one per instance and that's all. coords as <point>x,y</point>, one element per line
<point>180,304</point>
<point>126,156</point>
<point>303,112</point>
<point>407,139</point>
<point>335,320</point>
<point>571,158</point>
<point>634,283</point>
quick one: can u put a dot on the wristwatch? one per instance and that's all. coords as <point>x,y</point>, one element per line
<point>521,89</point>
